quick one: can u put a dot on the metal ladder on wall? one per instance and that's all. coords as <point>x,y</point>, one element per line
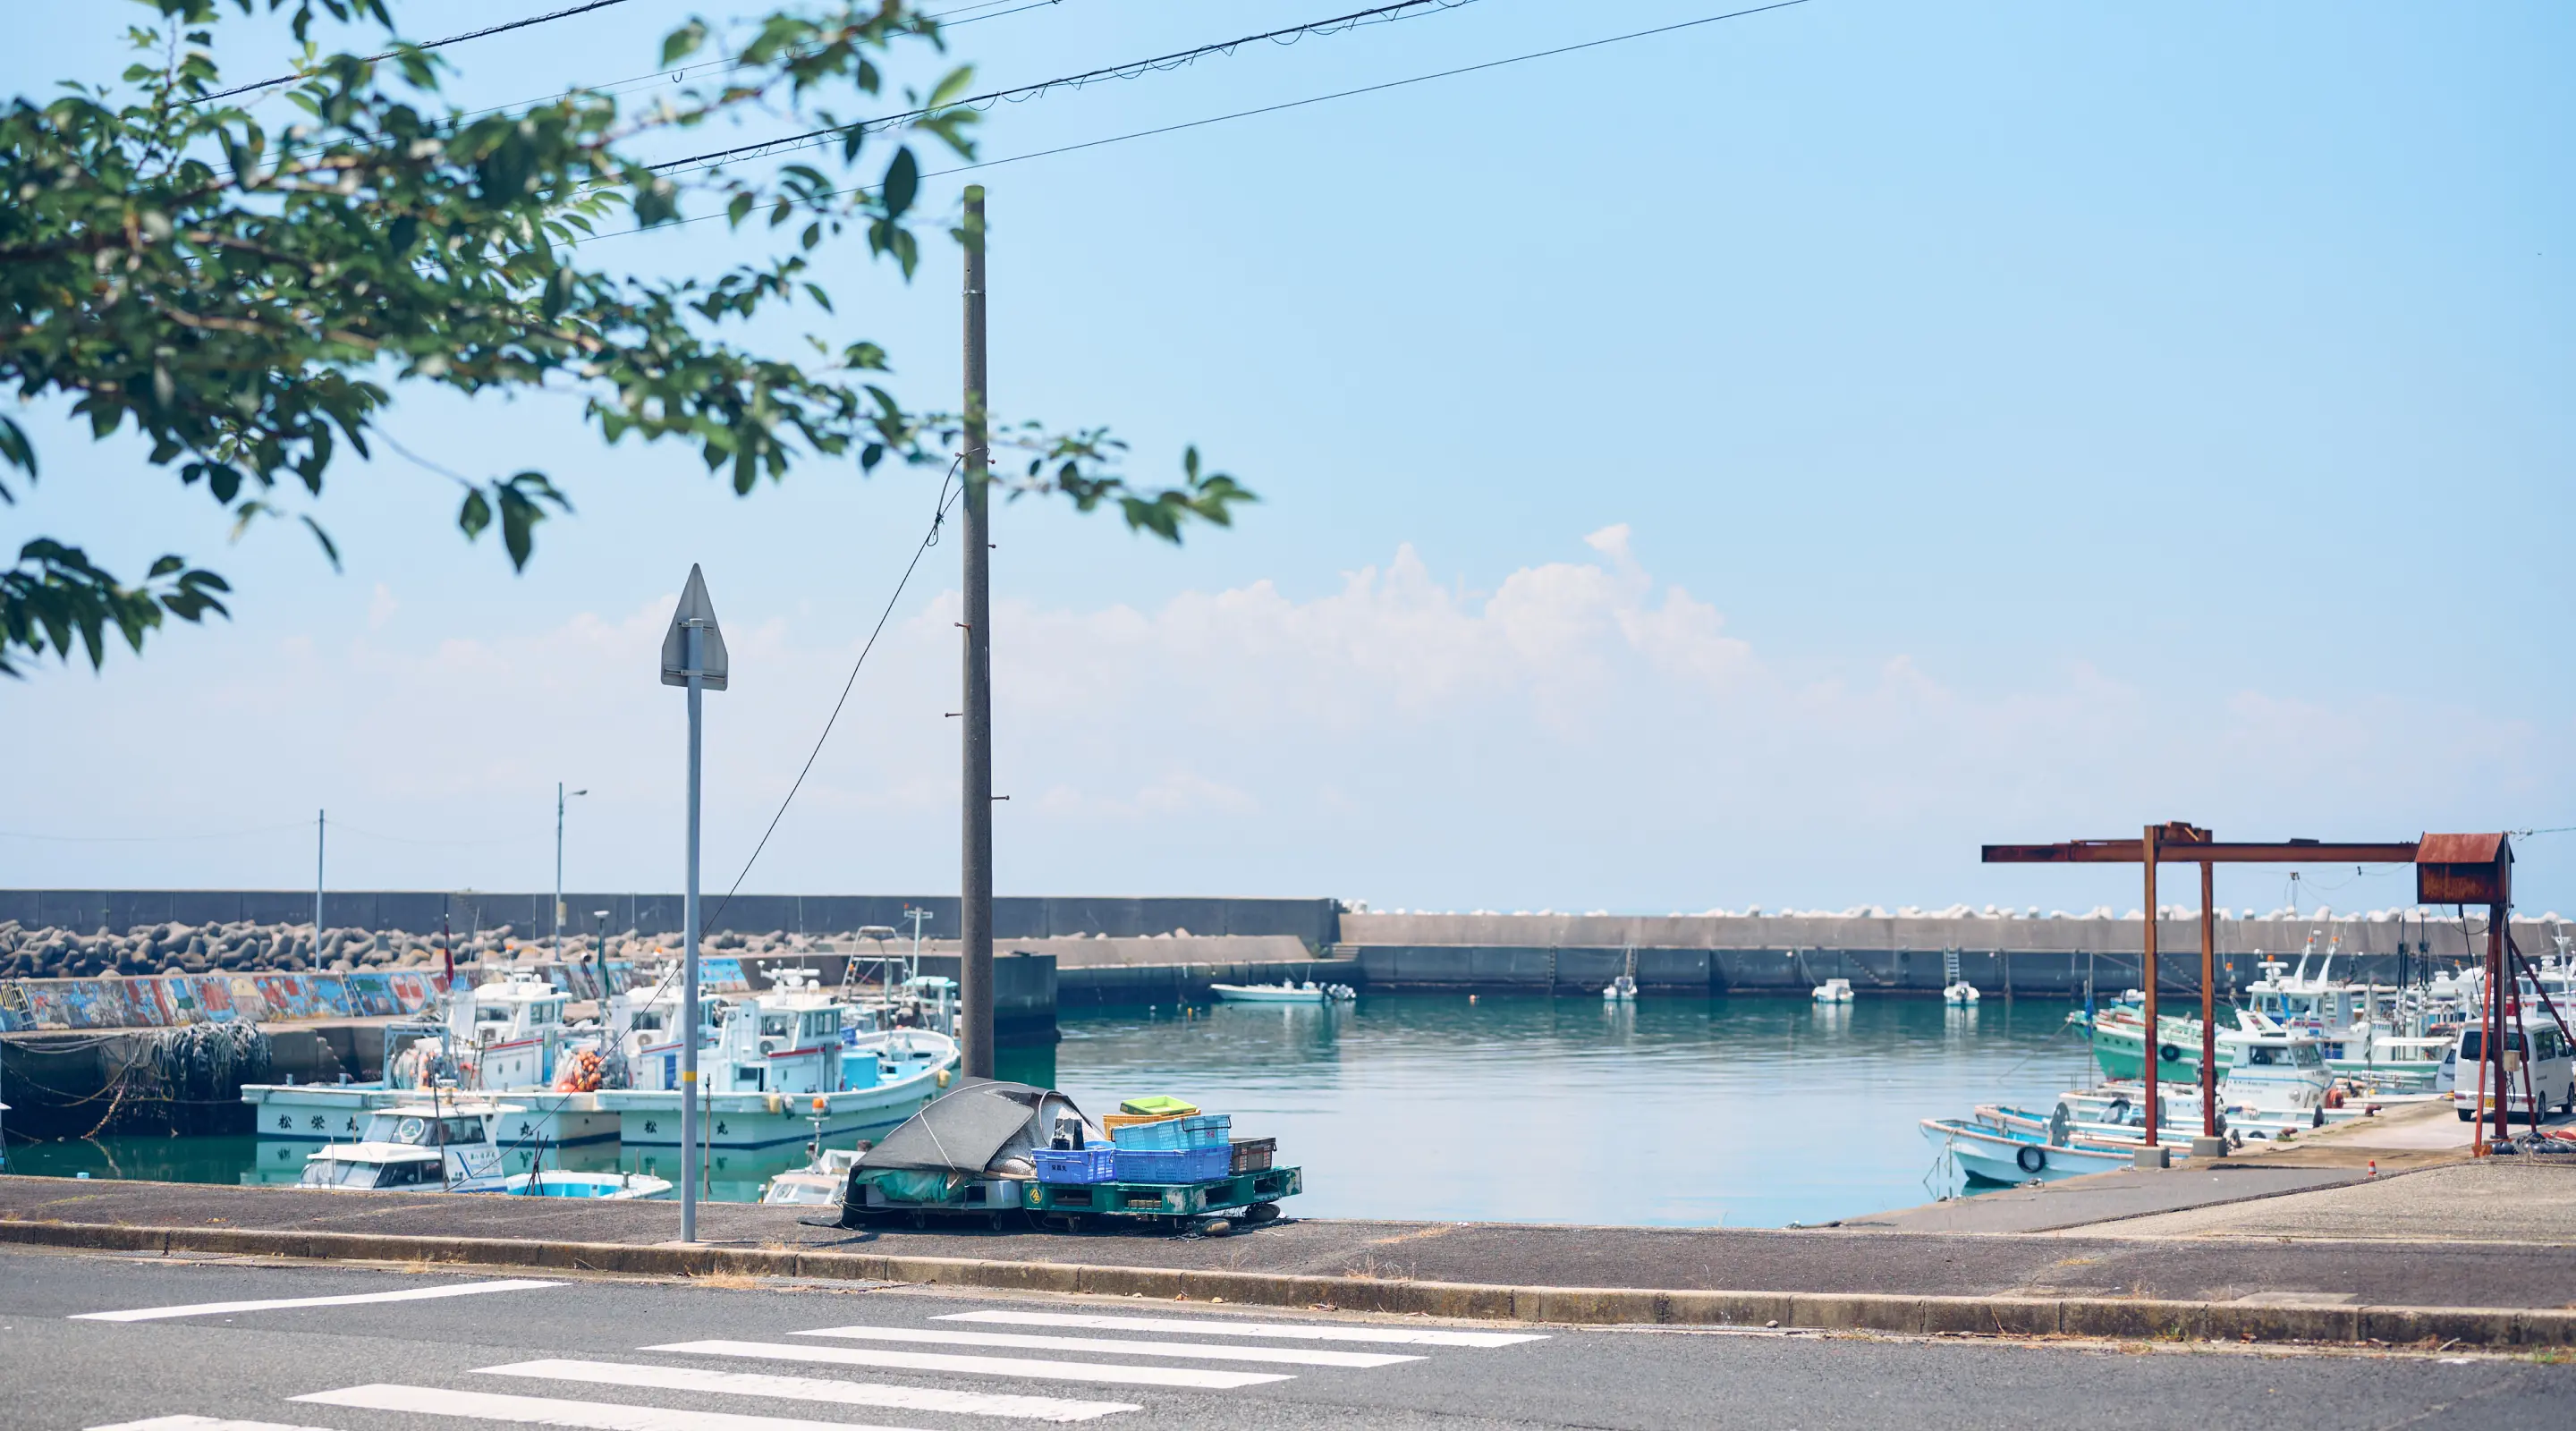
<point>1949,967</point>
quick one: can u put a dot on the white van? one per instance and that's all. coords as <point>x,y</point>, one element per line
<point>2551,1064</point>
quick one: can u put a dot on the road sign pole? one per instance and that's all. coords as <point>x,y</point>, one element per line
<point>695,637</point>
<point>693,655</point>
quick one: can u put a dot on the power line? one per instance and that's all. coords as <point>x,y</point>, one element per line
<point>150,839</point>
<point>500,29</point>
<point>929,539</point>
<point>1276,108</point>
<point>1404,9</point>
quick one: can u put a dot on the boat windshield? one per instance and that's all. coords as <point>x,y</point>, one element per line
<point>350,1173</point>
<point>420,1130</point>
<point>2299,1055</point>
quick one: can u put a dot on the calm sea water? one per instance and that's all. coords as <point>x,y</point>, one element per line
<point>1748,1112</point>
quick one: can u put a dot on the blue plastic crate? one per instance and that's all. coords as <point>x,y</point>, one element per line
<point>1207,1130</point>
<point>1161,1136</point>
<point>1173,1165</point>
<point>1095,1164</point>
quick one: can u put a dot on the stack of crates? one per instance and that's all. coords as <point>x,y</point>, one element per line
<point>1195,1148</point>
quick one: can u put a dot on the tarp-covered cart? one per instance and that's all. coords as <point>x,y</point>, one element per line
<point>986,1150</point>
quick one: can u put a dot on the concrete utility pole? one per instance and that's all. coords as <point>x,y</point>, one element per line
<point>975,898</point>
<point>693,655</point>
<point>321,830</point>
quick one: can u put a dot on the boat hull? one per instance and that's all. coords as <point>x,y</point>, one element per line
<point>650,1118</point>
<point>336,1112</point>
<point>1259,994</point>
<point>1989,1155</point>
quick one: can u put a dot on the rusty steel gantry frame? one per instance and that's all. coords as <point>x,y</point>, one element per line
<point>2176,842</point>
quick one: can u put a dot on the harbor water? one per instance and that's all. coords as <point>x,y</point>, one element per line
<point>1744,1112</point>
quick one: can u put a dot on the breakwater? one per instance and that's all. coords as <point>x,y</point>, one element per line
<point>1716,954</point>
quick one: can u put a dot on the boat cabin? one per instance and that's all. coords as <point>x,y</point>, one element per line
<point>448,1146</point>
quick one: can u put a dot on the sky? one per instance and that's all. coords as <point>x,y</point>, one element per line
<point>1751,465</point>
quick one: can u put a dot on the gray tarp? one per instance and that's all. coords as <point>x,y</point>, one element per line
<point>969,1127</point>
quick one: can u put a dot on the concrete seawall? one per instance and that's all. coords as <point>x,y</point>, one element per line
<point>1720,954</point>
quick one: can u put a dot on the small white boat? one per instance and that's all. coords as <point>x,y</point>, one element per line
<point>1622,990</point>
<point>1834,991</point>
<point>1960,995</point>
<point>616,1187</point>
<point>1309,992</point>
<point>433,1146</point>
<point>2000,1155</point>
<point>819,1183</point>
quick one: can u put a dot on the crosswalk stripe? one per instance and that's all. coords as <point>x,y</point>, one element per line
<point>200,1423</point>
<point>983,1365</point>
<point>1192,1351</point>
<point>812,1388</point>
<point>548,1411</point>
<point>1226,1327</point>
<point>407,1294</point>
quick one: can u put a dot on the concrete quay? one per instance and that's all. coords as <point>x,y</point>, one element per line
<point>2359,1281</point>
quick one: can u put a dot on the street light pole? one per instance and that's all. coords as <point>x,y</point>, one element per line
<point>557,939</point>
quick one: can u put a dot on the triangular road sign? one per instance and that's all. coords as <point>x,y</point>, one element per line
<point>695,606</point>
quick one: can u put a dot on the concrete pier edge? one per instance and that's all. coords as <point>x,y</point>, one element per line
<point>2083,1317</point>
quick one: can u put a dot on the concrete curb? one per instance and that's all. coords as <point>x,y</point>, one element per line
<point>2119,1318</point>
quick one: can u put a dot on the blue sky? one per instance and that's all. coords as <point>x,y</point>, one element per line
<point>1753,465</point>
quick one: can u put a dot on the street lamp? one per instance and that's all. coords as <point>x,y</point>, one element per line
<point>559,824</point>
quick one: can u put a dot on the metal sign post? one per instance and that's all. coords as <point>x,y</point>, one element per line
<point>693,655</point>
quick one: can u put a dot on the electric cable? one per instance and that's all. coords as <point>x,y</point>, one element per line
<point>500,29</point>
<point>1178,59</point>
<point>929,539</point>
<point>1264,109</point>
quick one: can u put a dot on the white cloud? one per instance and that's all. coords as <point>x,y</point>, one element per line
<point>1581,735</point>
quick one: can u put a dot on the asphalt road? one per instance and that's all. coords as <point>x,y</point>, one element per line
<point>607,1354</point>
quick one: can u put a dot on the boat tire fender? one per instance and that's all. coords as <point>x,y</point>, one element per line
<point>2119,1110</point>
<point>2032,1158</point>
<point>2170,1053</point>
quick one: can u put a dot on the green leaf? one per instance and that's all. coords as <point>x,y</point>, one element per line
<point>902,183</point>
<point>683,42</point>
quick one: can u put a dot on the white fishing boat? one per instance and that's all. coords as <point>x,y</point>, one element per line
<point>507,1037</point>
<point>1993,1154</point>
<point>1833,991</point>
<point>1622,990</point>
<point>1309,992</point>
<point>433,1145</point>
<point>774,1072</point>
<point>1960,995</point>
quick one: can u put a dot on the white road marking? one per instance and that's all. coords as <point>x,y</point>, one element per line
<point>201,1423</point>
<point>813,1388</point>
<point>1222,1327</point>
<point>547,1411</point>
<point>408,1294</point>
<point>1191,1351</point>
<point>984,1365</point>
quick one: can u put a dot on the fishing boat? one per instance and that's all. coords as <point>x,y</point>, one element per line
<point>1833,991</point>
<point>1622,990</point>
<point>1309,992</point>
<point>1960,995</point>
<point>507,1036</point>
<point>1991,1154</point>
<point>774,1071</point>
<point>436,1145</point>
